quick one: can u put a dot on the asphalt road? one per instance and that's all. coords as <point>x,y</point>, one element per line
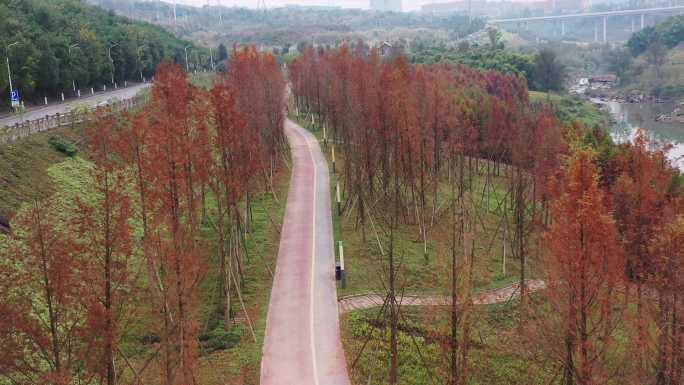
<point>90,100</point>
<point>302,343</point>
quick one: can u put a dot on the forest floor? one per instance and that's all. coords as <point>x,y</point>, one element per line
<point>424,272</point>
<point>32,169</point>
<point>230,355</point>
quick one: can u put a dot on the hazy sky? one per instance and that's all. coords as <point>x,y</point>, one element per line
<point>408,5</point>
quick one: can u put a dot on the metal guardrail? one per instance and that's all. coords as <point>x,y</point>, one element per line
<point>10,134</point>
<point>678,8</point>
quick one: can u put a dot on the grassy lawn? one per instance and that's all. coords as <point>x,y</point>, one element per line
<point>570,108</point>
<point>202,79</point>
<point>23,168</point>
<point>34,169</point>
<point>494,355</point>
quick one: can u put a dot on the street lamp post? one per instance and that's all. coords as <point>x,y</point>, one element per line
<point>9,71</point>
<point>73,80</point>
<point>109,53</point>
<point>211,57</point>
<point>187,66</point>
<point>139,50</point>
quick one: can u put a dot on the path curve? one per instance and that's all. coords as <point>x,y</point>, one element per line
<point>302,344</point>
<point>487,297</point>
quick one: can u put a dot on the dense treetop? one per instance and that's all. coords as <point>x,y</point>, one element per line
<point>542,70</point>
<point>669,32</point>
<point>43,63</point>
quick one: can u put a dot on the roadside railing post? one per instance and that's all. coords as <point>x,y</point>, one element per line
<point>343,272</point>
<point>339,200</point>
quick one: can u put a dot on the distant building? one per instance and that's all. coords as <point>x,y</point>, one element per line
<point>481,7</point>
<point>313,7</point>
<point>386,5</point>
<point>608,79</point>
<point>567,6</point>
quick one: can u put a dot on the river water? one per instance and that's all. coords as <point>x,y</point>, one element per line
<point>629,117</point>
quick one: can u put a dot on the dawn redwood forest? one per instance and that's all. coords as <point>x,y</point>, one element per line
<point>75,275</point>
<point>463,155</point>
<point>365,197</point>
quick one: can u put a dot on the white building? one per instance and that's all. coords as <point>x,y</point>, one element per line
<point>386,5</point>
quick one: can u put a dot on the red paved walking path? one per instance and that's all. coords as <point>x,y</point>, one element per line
<point>302,344</point>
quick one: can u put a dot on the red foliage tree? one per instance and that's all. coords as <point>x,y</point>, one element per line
<point>40,296</point>
<point>584,267</point>
<point>174,182</point>
<point>104,229</point>
<point>641,196</point>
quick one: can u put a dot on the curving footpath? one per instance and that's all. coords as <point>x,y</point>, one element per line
<point>302,343</point>
<point>488,297</point>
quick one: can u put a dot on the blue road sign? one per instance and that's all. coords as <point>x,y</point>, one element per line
<point>14,95</point>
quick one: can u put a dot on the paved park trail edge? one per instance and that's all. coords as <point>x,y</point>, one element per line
<point>302,343</point>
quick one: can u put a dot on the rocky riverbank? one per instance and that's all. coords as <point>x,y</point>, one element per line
<point>601,97</point>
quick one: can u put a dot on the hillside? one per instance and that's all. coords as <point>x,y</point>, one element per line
<point>290,25</point>
<point>64,43</point>
<point>658,53</point>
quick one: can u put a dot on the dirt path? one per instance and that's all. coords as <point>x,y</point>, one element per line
<point>368,301</point>
<point>302,343</point>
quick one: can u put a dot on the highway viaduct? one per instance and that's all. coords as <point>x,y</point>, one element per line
<point>600,17</point>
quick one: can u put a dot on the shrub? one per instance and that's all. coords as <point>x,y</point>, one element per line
<point>669,91</point>
<point>63,145</point>
<point>220,339</point>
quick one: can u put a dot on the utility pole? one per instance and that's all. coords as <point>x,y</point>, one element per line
<point>73,80</point>
<point>139,51</point>
<point>187,66</point>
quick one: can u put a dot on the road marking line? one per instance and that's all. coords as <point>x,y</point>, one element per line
<point>313,261</point>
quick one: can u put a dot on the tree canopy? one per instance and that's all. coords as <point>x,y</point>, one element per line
<point>670,32</point>
<point>66,43</point>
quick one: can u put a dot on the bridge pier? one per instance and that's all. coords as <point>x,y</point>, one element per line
<point>595,31</point>
<point>562,27</point>
<point>642,21</point>
<point>605,29</point>
<point>632,24</point>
